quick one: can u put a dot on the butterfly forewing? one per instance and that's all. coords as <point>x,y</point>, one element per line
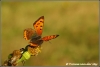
<point>28,33</point>
<point>47,38</point>
<point>38,25</point>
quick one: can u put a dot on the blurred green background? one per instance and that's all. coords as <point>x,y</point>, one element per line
<point>75,22</point>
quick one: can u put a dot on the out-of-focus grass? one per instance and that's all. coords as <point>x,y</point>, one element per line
<point>75,22</point>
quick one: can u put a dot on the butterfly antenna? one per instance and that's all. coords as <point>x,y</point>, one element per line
<point>50,42</point>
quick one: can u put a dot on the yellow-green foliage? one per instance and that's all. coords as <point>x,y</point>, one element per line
<point>75,22</point>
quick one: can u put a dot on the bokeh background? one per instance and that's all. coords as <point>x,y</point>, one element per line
<point>76,23</point>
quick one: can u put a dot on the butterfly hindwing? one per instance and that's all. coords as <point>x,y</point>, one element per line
<point>47,38</point>
<point>28,33</point>
<point>38,25</point>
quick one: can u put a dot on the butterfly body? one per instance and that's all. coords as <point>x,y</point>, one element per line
<point>35,41</point>
<point>35,35</point>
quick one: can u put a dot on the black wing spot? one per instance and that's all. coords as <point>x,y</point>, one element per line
<point>40,26</point>
<point>40,21</point>
<point>40,29</point>
<point>57,35</point>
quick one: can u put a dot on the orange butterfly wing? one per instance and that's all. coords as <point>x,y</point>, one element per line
<point>38,25</point>
<point>28,33</point>
<point>47,38</point>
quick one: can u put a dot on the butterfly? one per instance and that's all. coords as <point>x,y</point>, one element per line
<point>34,35</point>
